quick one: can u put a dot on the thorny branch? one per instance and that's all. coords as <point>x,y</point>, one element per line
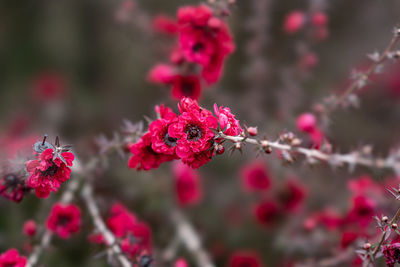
<point>87,195</point>
<point>313,156</point>
<point>362,78</point>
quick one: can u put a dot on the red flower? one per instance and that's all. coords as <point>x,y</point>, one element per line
<point>135,235</point>
<point>292,195</point>
<point>161,141</point>
<point>392,254</point>
<point>204,39</point>
<point>165,24</point>
<point>227,120</point>
<point>13,187</point>
<point>255,177</point>
<point>144,157</point>
<point>186,86</point>
<point>245,258</point>
<point>11,258</point>
<point>162,74</point>
<point>48,172</point>
<point>192,130</point>
<point>49,86</point>
<point>64,220</point>
<point>362,211</point>
<point>294,22</point>
<point>187,185</point>
<point>30,228</point>
<point>267,212</point>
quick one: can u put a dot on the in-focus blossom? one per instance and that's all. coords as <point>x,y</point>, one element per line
<point>294,21</point>
<point>49,171</point>
<point>144,157</point>
<point>227,120</point>
<point>135,235</point>
<point>165,24</point>
<point>194,134</point>
<point>392,254</point>
<point>30,228</point>
<point>292,195</point>
<point>11,258</point>
<point>245,258</point>
<point>187,184</point>
<point>267,212</point>
<point>161,141</point>
<point>255,177</point>
<point>64,220</point>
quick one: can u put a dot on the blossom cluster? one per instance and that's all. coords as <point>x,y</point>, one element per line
<point>188,136</point>
<point>204,42</point>
<point>134,235</point>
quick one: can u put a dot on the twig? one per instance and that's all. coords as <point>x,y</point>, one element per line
<point>87,195</point>
<point>352,159</point>
<point>190,239</point>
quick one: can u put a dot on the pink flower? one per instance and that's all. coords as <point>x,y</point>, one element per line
<point>161,142</point>
<point>144,157</point>
<point>186,86</point>
<point>227,120</point>
<point>181,262</point>
<point>292,195</point>
<point>362,210</point>
<point>192,130</point>
<point>319,19</point>
<point>64,220</point>
<point>13,187</point>
<point>306,122</point>
<point>348,238</point>
<point>255,177</point>
<point>30,228</point>
<point>11,258</point>
<point>392,254</point>
<point>48,172</point>
<point>245,258</point>
<point>204,39</point>
<point>135,235</point>
<point>187,185</point>
<point>267,213</point>
<point>294,22</point>
<point>165,24</point>
<point>162,74</point>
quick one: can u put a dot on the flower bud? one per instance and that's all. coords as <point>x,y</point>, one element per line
<point>253,131</point>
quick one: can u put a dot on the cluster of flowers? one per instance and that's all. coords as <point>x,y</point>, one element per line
<point>189,136</point>
<point>297,20</point>
<point>50,168</point>
<point>354,224</point>
<point>46,173</point>
<point>135,235</point>
<point>204,42</point>
<point>285,200</point>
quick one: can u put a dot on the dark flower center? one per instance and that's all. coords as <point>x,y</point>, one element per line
<point>198,47</point>
<point>52,170</point>
<point>193,132</point>
<point>169,140</point>
<point>10,265</point>
<point>63,220</point>
<point>187,88</point>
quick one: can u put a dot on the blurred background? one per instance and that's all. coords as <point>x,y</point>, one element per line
<point>78,68</point>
